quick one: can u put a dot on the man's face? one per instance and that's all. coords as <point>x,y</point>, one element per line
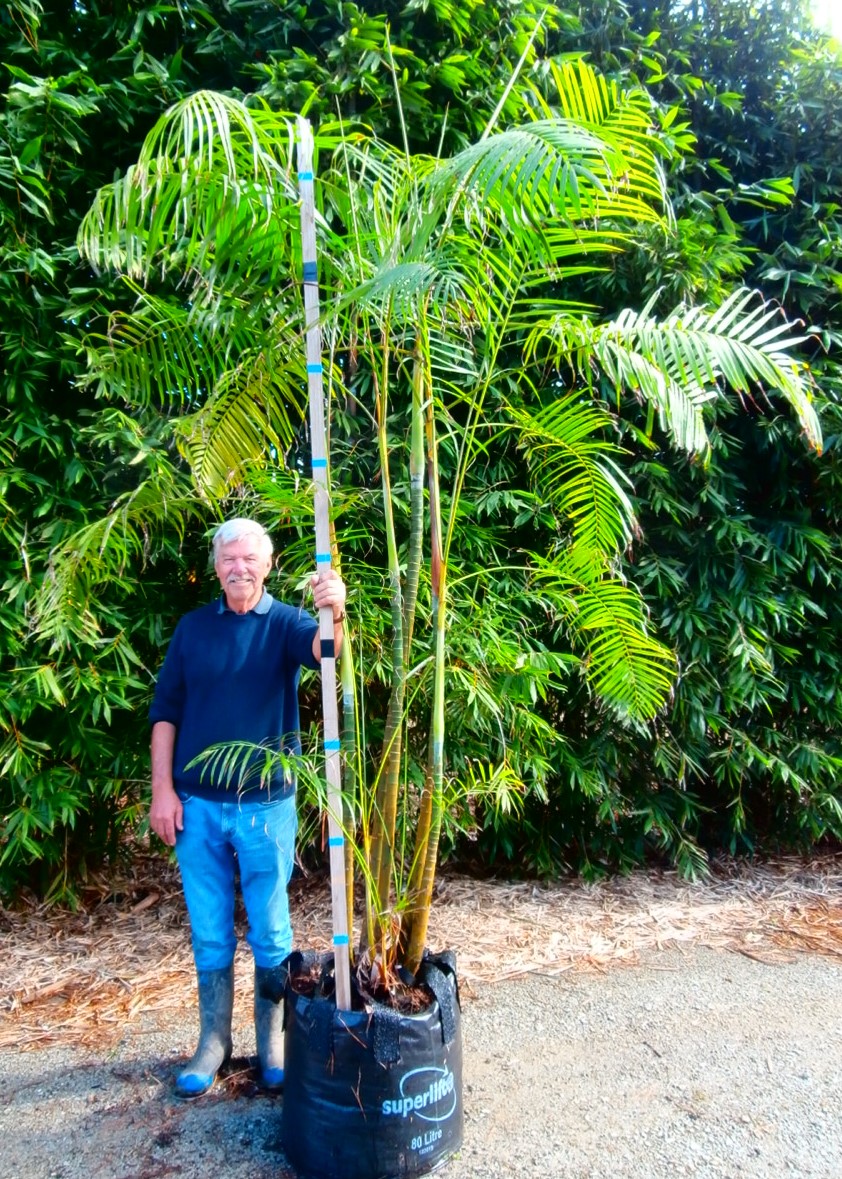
<point>242,566</point>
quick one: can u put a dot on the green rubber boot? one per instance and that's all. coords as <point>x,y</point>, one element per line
<point>268,1029</point>
<point>216,1005</point>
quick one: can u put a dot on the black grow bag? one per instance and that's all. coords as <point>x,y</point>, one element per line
<point>371,1094</point>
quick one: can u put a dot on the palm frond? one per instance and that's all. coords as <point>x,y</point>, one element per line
<point>571,460</point>
<point>167,353</point>
<point>250,415</point>
<point>680,363</point>
<point>246,765</point>
<point>451,358</point>
<point>595,161</point>
<point>625,666</point>
<point>106,553</point>
<point>694,354</point>
<point>586,97</point>
<point>206,169</point>
<point>550,170</point>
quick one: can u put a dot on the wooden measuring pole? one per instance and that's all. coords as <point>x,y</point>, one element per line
<point>318,441</point>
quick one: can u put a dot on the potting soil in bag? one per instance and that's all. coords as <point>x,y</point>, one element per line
<point>372,1094</point>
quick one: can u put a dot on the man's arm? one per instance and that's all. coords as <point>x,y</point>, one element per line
<point>329,590</point>
<point>166,815</point>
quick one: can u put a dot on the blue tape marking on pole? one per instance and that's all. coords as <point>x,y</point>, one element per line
<point>327,650</point>
<point>332,745</point>
<point>315,368</point>
<point>341,939</point>
<point>322,558</point>
<point>336,841</point>
<point>305,175</point>
<point>319,462</point>
<point>311,272</point>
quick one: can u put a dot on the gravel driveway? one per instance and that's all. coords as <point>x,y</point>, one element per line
<point>698,1062</point>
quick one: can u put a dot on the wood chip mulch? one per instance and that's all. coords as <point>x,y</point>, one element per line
<point>78,978</point>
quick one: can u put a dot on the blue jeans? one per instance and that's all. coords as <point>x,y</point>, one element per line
<point>261,835</point>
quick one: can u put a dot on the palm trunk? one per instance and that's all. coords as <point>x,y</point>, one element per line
<point>428,828</point>
<point>350,742</point>
<point>348,722</point>
<point>416,498</point>
<point>386,802</point>
<point>427,842</point>
<point>405,603</point>
<point>350,777</point>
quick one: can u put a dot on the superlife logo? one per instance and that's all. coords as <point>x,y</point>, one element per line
<point>426,1093</point>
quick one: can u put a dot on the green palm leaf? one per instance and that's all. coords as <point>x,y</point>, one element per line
<point>165,352</point>
<point>681,363</point>
<point>699,352</point>
<point>624,665</point>
<point>595,161</point>
<point>108,551</point>
<point>207,168</point>
<point>571,463</point>
<point>248,417</point>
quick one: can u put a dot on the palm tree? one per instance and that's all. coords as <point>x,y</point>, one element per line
<point>446,288</point>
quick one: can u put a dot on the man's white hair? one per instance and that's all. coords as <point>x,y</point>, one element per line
<point>237,529</point>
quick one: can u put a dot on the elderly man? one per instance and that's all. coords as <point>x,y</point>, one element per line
<point>231,675</point>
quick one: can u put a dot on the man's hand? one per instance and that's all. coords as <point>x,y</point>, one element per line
<point>329,590</point>
<point>166,815</point>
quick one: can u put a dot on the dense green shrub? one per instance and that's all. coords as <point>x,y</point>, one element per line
<point>738,560</point>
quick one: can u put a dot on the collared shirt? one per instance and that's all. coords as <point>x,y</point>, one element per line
<point>262,607</point>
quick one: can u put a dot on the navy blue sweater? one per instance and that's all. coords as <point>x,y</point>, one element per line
<point>234,677</point>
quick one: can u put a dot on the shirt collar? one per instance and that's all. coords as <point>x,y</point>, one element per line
<point>262,607</point>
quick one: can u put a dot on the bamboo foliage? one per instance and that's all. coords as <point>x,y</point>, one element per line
<point>448,292</point>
